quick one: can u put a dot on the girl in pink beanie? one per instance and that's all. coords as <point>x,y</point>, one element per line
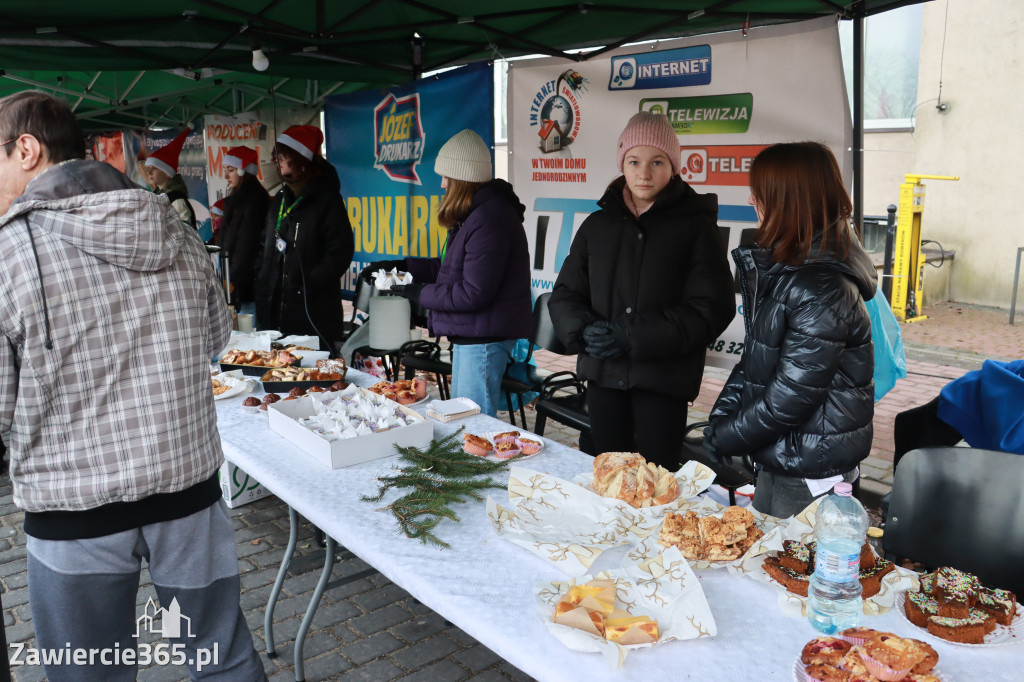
<point>645,288</point>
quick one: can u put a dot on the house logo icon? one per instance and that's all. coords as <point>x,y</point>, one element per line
<point>164,622</point>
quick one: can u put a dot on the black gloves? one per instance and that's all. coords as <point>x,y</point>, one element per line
<point>712,450</point>
<point>606,340</point>
<point>409,291</point>
<point>366,274</point>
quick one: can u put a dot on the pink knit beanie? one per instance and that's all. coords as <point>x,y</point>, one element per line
<point>650,130</point>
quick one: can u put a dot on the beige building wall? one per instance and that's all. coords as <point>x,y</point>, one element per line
<point>887,158</point>
<point>978,138</point>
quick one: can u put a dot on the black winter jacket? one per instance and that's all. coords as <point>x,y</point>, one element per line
<point>241,236</point>
<point>801,399</point>
<point>664,275</point>
<point>319,238</point>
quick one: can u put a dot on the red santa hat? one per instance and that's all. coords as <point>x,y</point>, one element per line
<point>306,140</point>
<point>166,158</point>
<point>218,207</point>
<point>246,160</point>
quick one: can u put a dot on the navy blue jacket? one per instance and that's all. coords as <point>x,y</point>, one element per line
<point>482,287</point>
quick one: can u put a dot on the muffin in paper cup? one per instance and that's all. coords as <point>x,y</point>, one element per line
<point>506,450</point>
<point>889,659</point>
<point>506,437</point>
<point>528,446</point>
<point>253,406</point>
<point>859,635</point>
<point>475,445</point>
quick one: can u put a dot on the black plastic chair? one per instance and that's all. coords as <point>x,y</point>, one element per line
<point>427,356</point>
<point>738,473</point>
<point>960,507</point>
<point>563,395</point>
<point>558,404</point>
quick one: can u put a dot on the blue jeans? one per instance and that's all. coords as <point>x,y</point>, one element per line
<point>477,369</point>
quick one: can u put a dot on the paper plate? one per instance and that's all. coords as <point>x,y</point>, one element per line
<point>1001,636</point>
<point>238,386</point>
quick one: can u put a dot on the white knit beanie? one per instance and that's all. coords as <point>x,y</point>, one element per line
<point>650,130</point>
<point>464,157</point>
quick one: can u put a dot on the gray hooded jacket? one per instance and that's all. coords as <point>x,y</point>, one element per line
<point>107,334</point>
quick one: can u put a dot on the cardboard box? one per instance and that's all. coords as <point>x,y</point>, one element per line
<point>348,451</point>
<point>237,487</point>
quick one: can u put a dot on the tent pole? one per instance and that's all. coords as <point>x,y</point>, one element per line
<point>858,118</point>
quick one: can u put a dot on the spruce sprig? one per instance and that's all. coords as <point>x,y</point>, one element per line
<point>440,475</point>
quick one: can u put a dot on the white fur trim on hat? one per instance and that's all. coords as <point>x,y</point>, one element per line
<point>235,163</point>
<point>465,157</point>
<point>154,162</point>
<point>290,141</point>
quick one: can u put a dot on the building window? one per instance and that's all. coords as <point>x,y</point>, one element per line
<point>892,54</point>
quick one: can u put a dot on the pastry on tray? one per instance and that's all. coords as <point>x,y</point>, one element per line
<point>710,538</point>
<point>863,655</point>
<point>591,607</point>
<point>627,476</point>
<point>954,605</point>
<point>793,567</point>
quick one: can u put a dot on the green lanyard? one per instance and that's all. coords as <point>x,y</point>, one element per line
<point>282,214</point>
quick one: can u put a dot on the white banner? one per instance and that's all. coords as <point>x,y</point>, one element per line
<point>728,96</point>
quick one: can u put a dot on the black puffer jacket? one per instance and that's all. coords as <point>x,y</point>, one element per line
<point>319,236</point>
<point>801,400</point>
<point>241,236</point>
<point>665,276</point>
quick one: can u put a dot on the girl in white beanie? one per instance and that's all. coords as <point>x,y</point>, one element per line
<point>478,292</point>
<point>645,288</point>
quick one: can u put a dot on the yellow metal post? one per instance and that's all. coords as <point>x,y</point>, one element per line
<point>908,261</point>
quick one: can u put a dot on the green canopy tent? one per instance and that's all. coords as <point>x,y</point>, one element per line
<point>138,65</point>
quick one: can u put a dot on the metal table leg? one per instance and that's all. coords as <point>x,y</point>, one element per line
<point>314,602</point>
<point>286,560</point>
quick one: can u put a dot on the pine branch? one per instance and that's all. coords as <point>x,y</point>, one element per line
<point>439,476</point>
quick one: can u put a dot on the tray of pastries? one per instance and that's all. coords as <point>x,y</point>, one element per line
<point>255,362</point>
<point>793,567</point>
<point>286,378</point>
<point>713,538</point>
<point>955,606</point>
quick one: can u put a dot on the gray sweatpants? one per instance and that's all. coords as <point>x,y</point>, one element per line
<point>82,594</point>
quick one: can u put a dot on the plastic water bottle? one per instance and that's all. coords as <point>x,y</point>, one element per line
<point>834,595</point>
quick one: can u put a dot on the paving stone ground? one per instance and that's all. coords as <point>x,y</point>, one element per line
<point>372,630</point>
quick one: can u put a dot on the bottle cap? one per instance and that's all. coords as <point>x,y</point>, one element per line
<point>843,488</point>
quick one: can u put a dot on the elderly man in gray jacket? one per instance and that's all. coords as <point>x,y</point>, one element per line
<point>110,310</point>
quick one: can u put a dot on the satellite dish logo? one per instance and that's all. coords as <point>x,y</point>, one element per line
<point>623,73</point>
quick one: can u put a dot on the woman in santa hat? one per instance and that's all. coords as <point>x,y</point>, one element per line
<point>308,243</point>
<point>245,215</point>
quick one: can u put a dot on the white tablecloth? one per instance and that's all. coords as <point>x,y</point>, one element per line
<point>486,585</point>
